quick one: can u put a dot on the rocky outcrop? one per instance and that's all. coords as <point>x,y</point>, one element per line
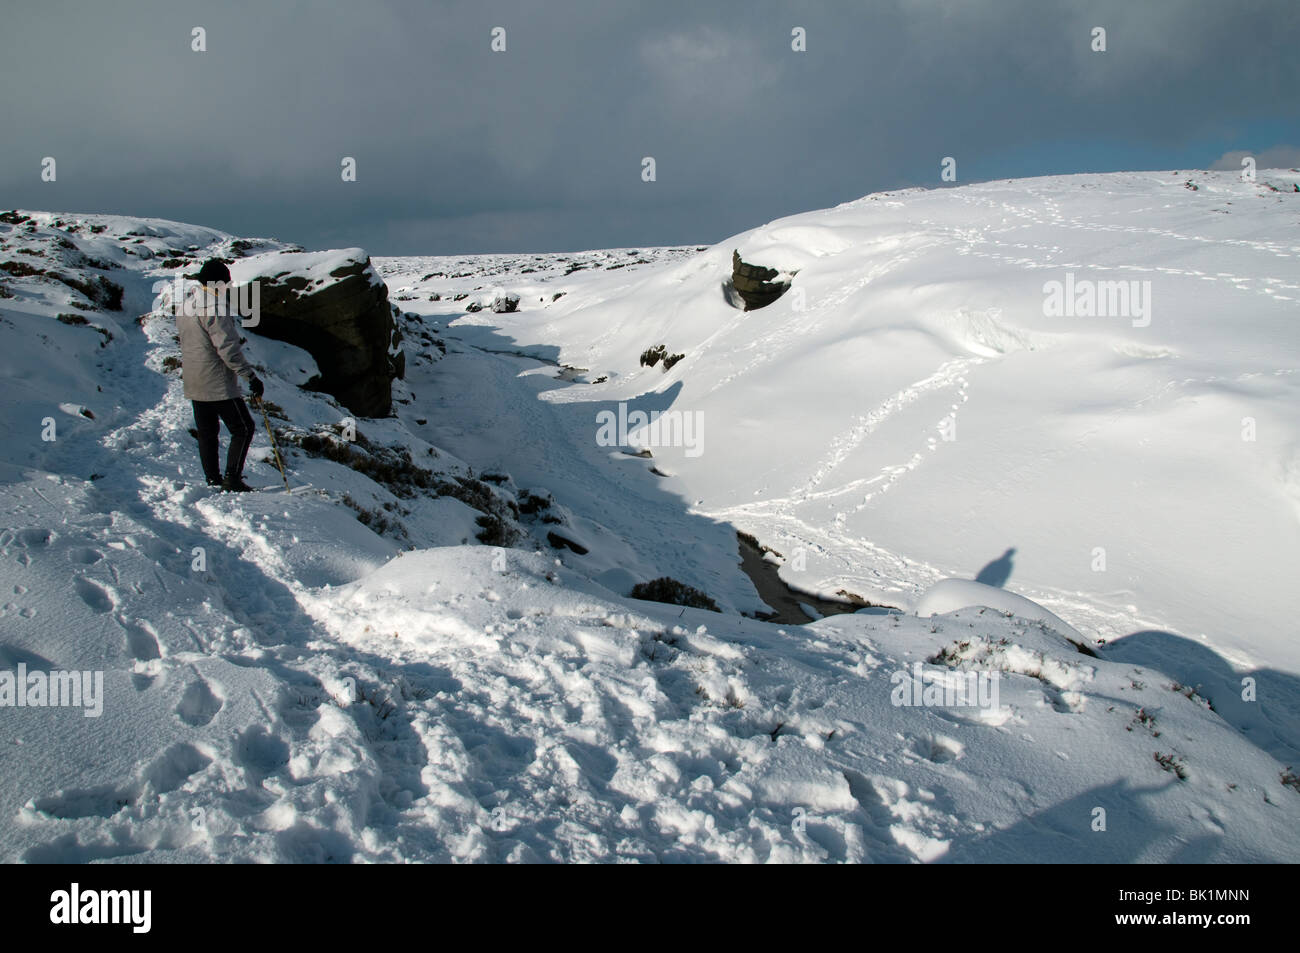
<point>506,304</point>
<point>501,304</point>
<point>335,307</point>
<point>755,284</point>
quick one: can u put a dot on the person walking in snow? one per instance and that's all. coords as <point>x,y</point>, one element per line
<point>211,363</point>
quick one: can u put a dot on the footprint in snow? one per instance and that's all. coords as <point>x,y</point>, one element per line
<point>261,753</point>
<point>938,748</point>
<point>163,775</point>
<point>97,597</point>
<point>29,538</point>
<point>24,540</point>
<point>142,643</point>
<point>141,640</point>
<point>199,704</point>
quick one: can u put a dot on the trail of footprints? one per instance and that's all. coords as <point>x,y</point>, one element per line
<point>143,798</point>
<point>198,705</point>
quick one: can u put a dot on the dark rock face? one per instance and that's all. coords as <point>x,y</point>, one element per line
<point>754,283</point>
<point>346,324</point>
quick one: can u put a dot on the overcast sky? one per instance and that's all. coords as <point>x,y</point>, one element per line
<point>539,148</point>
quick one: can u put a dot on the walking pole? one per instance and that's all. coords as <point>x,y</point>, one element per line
<point>261,404</point>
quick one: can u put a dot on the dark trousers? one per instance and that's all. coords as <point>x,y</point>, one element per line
<point>238,421</point>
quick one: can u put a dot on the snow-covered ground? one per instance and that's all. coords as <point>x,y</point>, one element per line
<point>281,682</point>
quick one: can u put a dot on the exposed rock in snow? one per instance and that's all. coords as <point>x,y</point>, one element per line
<point>757,286</point>
<point>334,306</point>
<point>505,304</point>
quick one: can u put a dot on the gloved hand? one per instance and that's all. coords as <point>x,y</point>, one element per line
<point>256,386</point>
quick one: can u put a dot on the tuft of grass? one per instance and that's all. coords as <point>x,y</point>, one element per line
<point>950,655</point>
<point>668,590</point>
<point>375,519</point>
<point>530,504</point>
<point>563,542</point>
<point>494,531</point>
<point>381,703</point>
<point>20,269</point>
<point>393,467</point>
<point>1146,719</point>
<point>1192,694</point>
<point>77,321</point>
<point>99,291</point>
<point>1172,763</point>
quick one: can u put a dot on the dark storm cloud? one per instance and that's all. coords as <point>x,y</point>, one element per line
<point>462,149</point>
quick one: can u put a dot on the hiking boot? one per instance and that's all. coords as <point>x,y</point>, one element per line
<point>235,485</point>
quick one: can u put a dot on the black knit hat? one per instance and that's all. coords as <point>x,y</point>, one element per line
<point>214,269</point>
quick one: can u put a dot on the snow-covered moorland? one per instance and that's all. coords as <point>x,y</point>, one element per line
<point>349,673</point>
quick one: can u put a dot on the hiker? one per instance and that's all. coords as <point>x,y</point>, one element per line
<point>210,361</point>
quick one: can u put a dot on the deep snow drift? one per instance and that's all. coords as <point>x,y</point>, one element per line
<point>348,674</point>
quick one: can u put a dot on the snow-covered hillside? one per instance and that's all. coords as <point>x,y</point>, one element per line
<point>908,411</point>
<point>349,674</point>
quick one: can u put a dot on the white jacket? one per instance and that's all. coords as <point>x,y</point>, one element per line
<point>211,358</point>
